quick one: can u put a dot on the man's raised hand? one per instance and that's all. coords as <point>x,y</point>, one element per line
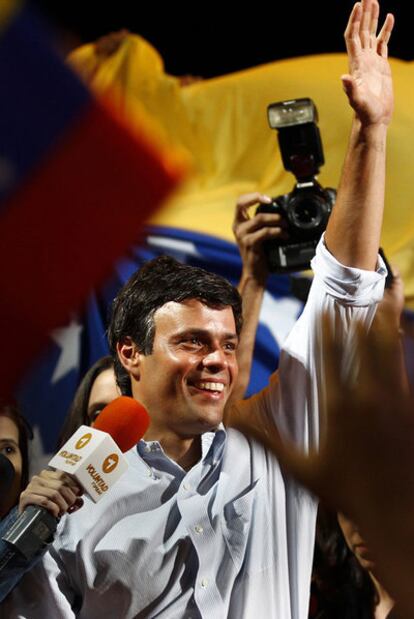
<point>369,84</point>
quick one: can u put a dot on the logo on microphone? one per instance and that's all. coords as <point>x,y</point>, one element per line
<point>83,441</point>
<point>110,463</point>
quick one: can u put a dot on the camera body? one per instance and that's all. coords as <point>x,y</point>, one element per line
<point>306,209</point>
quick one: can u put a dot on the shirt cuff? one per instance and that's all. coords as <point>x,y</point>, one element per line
<point>348,284</point>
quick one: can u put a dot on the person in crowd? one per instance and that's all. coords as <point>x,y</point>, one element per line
<point>204,523</point>
<point>382,606</point>
<point>344,581</point>
<point>97,389</point>
<point>56,492</point>
<point>15,434</point>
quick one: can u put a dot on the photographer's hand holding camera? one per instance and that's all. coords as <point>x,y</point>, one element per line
<point>250,233</point>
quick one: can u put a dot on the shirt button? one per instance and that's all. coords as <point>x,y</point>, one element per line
<point>186,486</point>
<point>204,583</point>
<point>198,528</point>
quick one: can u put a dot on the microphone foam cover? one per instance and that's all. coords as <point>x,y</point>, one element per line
<point>125,419</point>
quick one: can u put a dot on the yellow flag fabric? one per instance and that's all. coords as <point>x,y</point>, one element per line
<point>221,124</point>
<point>8,9</point>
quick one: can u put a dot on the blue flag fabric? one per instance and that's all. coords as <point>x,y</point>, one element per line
<point>43,97</point>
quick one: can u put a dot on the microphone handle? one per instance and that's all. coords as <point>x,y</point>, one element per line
<point>33,530</point>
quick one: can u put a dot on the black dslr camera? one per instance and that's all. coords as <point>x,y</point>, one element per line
<point>307,208</point>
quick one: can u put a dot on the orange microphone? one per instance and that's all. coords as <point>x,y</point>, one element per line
<point>125,419</point>
<point>94,457</point>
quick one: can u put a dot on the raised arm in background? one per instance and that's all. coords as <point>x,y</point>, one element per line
<point>250,232</point>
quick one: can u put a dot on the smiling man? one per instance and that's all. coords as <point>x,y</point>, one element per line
<point>178,343</point>
<point>204,523</point>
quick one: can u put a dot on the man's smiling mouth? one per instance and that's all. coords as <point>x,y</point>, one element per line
<point>208,386</point>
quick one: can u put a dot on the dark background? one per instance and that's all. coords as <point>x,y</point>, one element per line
<point>213,38</point>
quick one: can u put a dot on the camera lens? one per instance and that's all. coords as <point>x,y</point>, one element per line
<point>307,212</point>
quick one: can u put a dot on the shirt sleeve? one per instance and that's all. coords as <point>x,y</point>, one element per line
<point>348,295</point>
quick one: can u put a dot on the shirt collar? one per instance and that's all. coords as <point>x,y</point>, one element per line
<point>212,445</point>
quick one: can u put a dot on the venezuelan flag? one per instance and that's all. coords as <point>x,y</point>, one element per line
<point>76,182</point>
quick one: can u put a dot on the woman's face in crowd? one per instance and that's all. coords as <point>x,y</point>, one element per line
<point>104,390</point>
<point>9,447</point>
<point>355,542</point>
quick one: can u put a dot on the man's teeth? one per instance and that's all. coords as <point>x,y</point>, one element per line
<point>211,386</point>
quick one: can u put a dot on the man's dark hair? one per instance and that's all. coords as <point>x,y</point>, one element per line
<point>158,282</point>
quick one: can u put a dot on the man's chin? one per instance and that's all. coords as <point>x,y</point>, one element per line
<point>211,424</point>
<point>208,421</point>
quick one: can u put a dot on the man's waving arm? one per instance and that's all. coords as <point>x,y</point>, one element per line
<point>354,228</point>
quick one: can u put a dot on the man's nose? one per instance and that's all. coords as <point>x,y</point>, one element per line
<point>215,359</point>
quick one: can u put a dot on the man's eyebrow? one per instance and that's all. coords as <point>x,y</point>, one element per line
<point>229,335</point>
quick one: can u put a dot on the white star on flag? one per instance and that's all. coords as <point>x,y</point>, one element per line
<point>279,315</point>
<point>68,339</point>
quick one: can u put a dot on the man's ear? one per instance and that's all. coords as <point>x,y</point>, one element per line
<point>129,356</point>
